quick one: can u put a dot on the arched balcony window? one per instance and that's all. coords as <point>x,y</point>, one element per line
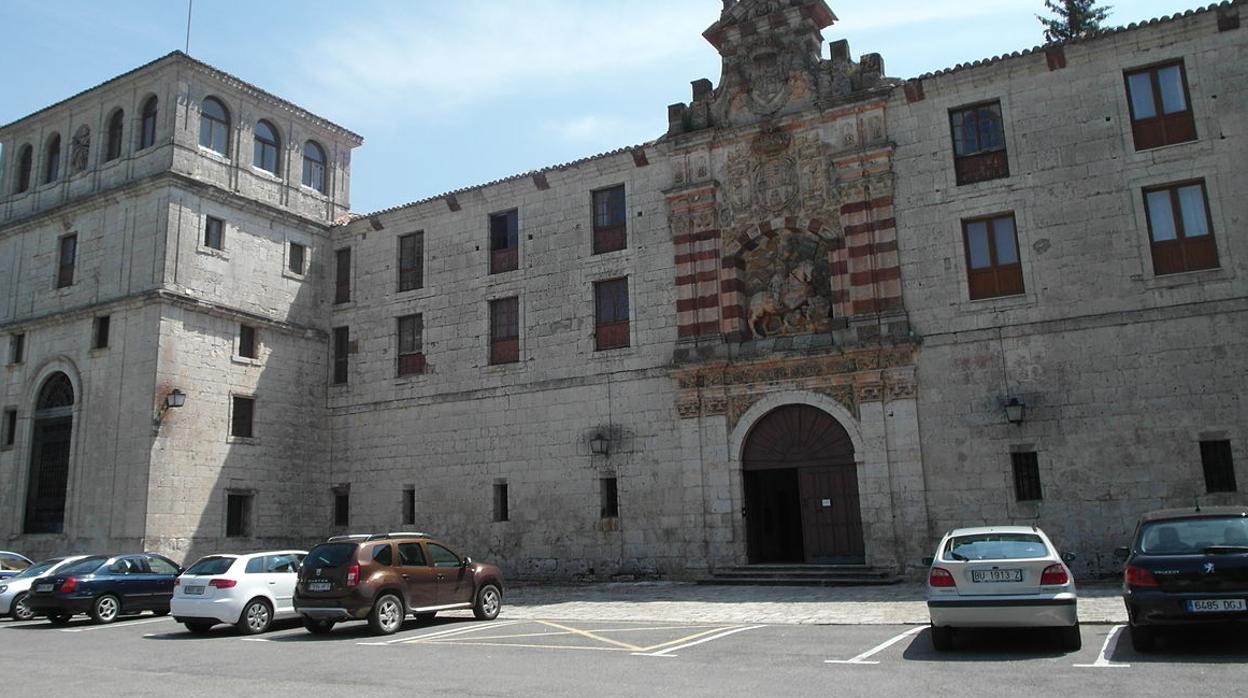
<point>314,166</point>
<point>112,142</point>
<point>52,160</point>
<point>268,145</point>
<point>147,124</point>
<point>214,126</point>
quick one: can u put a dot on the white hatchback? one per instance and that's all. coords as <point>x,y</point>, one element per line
<point>1000,577</point>
<point>247,591</point>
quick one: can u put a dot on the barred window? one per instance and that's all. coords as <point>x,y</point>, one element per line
<point>411,261</point>
<point>1026,476</point>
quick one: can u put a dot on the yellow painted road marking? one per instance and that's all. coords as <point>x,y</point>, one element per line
<point>602,630</point>
<point>591,636</point>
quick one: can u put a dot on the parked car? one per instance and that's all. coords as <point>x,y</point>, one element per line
<point>12,563</point>
<point>384,578</point>
<point>246,591</point>
<point>1186,567</point>
<point>15,589</point>
<point>1000,577</point>
<point>105,587</point>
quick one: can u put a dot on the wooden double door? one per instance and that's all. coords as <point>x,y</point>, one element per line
<point>801,490</point>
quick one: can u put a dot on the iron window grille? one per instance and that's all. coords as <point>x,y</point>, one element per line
<point>1026,476</point>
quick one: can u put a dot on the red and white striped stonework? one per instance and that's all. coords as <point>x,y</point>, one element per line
<point>696,241</point>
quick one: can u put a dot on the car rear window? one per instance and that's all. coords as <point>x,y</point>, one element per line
<point>84,566</point>
<point>1193,536</point>
<point>995,546</point>
<point>330,555</point>
<point>210,565</point>
<point>38,568</point>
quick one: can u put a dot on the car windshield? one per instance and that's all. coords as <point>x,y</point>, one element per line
<point>38,568</point>
<point>210,565</point>
<point>1193,536</point>
<point>995,546</point>
<point>329,555</point>
<point>84,566</point>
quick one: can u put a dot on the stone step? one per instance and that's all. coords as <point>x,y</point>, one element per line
<point>800,581</point>
<point>802,575</point>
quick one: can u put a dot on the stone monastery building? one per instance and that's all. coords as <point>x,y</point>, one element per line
<point>825,317</point>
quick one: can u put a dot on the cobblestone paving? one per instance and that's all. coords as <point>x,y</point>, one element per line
<point>691,603</point>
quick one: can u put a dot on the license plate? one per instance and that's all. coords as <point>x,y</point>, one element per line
<point>193,591</point>
<point>979,576</point>
<point>1217,606</point>
<point>44,587</point>
<point>320,586</point>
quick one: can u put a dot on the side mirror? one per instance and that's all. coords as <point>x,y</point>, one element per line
<point>1121,554</point>
<point>927,561</point>
<point>1069,557</point>
<point>467,561</point>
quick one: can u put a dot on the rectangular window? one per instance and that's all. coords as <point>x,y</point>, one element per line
<point>409,505</point>
<point>993,268</point>
<point>342,338</point>
<point>610,498</point>
<point>1026,476</point>
<point>17,348</point>
<point>500,502</point>
<point>505,330</point>
<point>298,253</point>
<point>100,334</point>
<point>342,276</point>
<point>1219,467</point>
<point>247,341</point>
<point>610,220</point>
<point>979,143</point>
<point>1180,229</point>
<point>68,258</point>
<point>411,351</point>
<point>611,314</point>
<point>342,507</point>
<point>10,427</point>
<point>411,261</point>
<point>242,417</point>
<point>504,242</point>
<point>238,516</point>
<point>214,233</point>
<point>1161,112</point>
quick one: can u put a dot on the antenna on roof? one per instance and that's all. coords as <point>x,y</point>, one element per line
<point>189,4</point>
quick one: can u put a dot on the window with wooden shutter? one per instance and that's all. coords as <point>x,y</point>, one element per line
<point>993,267</point>
<point>1180,228</point>
<point>411,351</point>
<point>611,329</point>
<point>411,261</point>
<point>610,220</point>
<point>505,330</point>
<point>1161,109</point>
<point>979,143</point>
<point>504,242</point>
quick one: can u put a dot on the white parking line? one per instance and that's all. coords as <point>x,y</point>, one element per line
<point>1102,661</point>
<point>440,633</point>
<point>862,658</point>
<point>114,626</point>
<point>668,652</point>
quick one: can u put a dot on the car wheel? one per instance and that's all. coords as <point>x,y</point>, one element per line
<point>318,627</point>
<point>942,638</point>
<point>1143,639</point>
<point>489,603</point>
<point>256,617</point>
<point>59,618</point>
<point>164,612</point>
<point>21,609</point>
<point>199,627</point>
<point>386,616</point>
<point>426,616</point>
<point>106,609</point>
<point>1072,640</point>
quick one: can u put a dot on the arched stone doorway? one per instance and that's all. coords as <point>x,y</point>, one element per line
<point>801,489</point>
<point>49,456</point>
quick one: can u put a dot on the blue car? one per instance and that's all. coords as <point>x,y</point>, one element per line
<point>106,587</point>
<point>12,563</point>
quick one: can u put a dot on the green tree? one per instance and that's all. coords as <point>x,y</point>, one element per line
<point>1075,19</point>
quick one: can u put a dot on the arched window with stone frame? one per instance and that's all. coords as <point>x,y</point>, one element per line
<point>268,147</point>
<point>52,159</point>
<point>113,136</point>
<point>48,481</point>
<point>147,123</point>
<point>25,164</point>
<point>314,166</point>
<point>214,126</point>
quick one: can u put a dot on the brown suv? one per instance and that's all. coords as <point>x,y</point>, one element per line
<point>385,577</point>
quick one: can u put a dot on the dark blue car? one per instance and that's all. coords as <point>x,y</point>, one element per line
<point>106,587</point>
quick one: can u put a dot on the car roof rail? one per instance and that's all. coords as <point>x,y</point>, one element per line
<point>349,537</point>
<point>403,534</point>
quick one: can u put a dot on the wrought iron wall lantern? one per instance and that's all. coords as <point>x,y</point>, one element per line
<point>176,398</point>
<point>599,444</point>
<point>1014,410</point>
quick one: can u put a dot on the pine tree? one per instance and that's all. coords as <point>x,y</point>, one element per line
<point>1075,19</point>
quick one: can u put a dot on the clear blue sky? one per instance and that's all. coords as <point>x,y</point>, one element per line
<point>451,94</point>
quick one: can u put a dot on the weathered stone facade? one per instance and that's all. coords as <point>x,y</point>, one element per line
<point>795,240</point>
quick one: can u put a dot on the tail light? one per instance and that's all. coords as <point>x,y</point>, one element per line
<point>177,582</point>
<point>69,585</point>
<point>940,578</point>
<point>1139,577</point>
<point>1054,575</point>
<point>222,583</point>
<point>353,575</point>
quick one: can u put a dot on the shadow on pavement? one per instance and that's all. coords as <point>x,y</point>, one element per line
<point>1189,645</point>
<point>989,645</point>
